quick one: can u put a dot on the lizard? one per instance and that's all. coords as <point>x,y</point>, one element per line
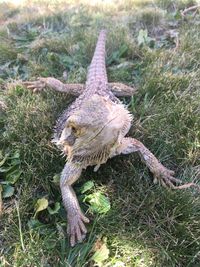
<point>92,130</point>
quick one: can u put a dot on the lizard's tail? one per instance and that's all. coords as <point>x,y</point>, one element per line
<point>97,70</point>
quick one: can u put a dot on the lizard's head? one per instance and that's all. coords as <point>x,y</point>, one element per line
<point>94,128</point>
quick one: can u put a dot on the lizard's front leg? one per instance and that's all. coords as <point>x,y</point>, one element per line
<point>76,89</point>
<point>161,174</point>
<point>70,88</point>
<point>75,218</point>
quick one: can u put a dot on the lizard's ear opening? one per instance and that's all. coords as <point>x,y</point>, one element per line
<point>73,126</point>
<point>74,129</point>
<point>72,121</point>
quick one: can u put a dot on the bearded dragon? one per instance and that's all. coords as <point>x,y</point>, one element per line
<point>92,130</point>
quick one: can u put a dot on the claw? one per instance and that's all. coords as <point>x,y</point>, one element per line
<point>84,218</point>
<point>188,185</point>
<point>76,228</point>
<point>173,179</point>
<point>83,236</point>
<point>82,226</point>
<point>72,240</point>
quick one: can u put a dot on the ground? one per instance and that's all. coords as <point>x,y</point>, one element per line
<point>133,223</point>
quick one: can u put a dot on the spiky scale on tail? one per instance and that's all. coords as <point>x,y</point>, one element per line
<point>97,76</point>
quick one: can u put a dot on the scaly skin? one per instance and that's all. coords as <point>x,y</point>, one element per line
<point>76,89</point>
<point>92,130</point>
<point>76,219</point>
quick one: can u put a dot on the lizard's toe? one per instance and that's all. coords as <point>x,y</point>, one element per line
<point>167,180</point>
<point>76,228</point>
<point>84,218</point>
<point>35,86</point>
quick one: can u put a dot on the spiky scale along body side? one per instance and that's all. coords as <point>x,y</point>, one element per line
<point>92,130</point>
<point>96,83</point>
<point>106,118</point>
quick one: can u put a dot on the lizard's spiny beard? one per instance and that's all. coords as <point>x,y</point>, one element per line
<point>91,151</point>
<point>96,149</point>
<point>96,157</point>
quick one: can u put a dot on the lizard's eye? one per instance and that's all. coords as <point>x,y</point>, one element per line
<point>74,129</point>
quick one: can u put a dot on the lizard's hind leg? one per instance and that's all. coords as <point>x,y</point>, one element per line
<point>120,89</point>
<point>161,174</point>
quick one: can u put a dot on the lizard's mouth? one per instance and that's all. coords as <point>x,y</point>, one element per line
<point>66,146</point>
<point>67,149</point>
<point>67,141</point>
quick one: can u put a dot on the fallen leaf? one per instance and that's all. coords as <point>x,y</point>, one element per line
<point>101,254</point>
<point>13,176</point>
<point>40,205</point>
<point>3,160</point>
<point>142,36</point>
<point>34,224</point>
<point>8,191</point>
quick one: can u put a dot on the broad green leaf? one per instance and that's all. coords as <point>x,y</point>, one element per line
<point>3,160</point>
<point>101,255</point>
<point>6,169</point>
<point>40,205</point>
<point>12,177</point>
<point>67,60</point>
<point>56,178</point>
<point>122,50</point>
<point>142,37</point>
<point>98,203</point>
<point>34,223</point>
<point>15,158</point>
<point>4,182</point>
<point>8,191</point>
<point>55,209</point>
<point>15,161</point>
<point>15,155</point>
<point>87,186</point>
<point>116,55</point>
<point>1,202</point>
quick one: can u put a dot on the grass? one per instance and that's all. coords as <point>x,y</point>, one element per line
<point>147,225</point>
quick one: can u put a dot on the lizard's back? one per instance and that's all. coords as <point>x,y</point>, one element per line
<point>96,83</point>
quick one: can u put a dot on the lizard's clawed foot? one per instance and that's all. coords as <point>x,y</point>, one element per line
<point>76,228</point>
<point>36,86</point>
<point>165,177</point>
